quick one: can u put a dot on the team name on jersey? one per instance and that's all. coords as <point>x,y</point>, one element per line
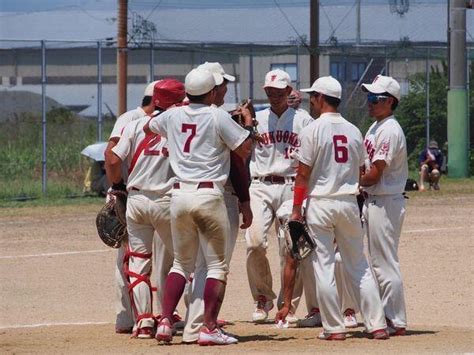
<point>280,136</point>
<point>369,148</point>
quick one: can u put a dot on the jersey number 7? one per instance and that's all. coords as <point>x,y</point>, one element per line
<point>185,128</point>
<point>341,154</point>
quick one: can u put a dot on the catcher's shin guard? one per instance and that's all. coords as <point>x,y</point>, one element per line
<point>138,279</point>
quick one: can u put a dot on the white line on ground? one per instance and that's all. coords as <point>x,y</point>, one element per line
<point>56,254</point>
<point>432,229</point>
<point>20,326</point>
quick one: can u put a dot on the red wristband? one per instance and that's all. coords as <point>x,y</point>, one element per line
<point>299,195</point>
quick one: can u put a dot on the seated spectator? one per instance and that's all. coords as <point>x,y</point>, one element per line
<point>431,160</point>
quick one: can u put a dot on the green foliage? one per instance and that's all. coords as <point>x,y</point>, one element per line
<point>22,147</point>
<point>411,112</point>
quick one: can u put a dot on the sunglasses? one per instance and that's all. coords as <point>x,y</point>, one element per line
<point>375,98</point>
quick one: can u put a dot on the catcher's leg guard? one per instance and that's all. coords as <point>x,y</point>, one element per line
<point>141,298</point>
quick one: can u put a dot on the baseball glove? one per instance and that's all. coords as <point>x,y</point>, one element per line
<point>298,241</point>
<point>111,222</point>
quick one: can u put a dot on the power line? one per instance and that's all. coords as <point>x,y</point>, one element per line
<point>302,39</point>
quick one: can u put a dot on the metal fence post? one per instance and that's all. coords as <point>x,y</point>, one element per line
<point>43,118</point>
<point>99,91</point>
<point>427,86</point>
<point>152,62</point>
<point>251,73</point>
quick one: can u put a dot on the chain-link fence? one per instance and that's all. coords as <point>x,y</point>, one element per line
<point>59,97</point>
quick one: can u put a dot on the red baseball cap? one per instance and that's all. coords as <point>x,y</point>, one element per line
<point>168,92</point>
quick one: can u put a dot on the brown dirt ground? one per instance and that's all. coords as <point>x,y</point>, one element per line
<point>45,298</point>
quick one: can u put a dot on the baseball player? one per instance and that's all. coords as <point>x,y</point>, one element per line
<point>272,171</point>
<point>149,183</point>
<point>431,160</point>
<point>236,197</point>
<point>330,158</point>
<point>200,139</point>
<point>384,183</point>
<point>124,319</point>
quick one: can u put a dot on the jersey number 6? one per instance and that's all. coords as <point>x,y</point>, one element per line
<point>185,128</point>
<point>341,154</point>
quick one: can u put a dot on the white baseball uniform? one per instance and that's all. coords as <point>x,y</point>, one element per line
<point>384,212</point>
<point>195,291</point>
<point>333,148</point>
<point>200,139</point>
<point>148,210</point>
<point>124,318</point>
<point>272,171</point>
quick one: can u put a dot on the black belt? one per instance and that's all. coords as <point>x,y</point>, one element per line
<point>135,189</point>
<point>275,179</point>
<point>201,185</point>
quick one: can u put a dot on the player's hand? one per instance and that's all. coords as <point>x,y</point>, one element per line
<point>281,314</point>
<point>247,215</point>
<point>296,215</point>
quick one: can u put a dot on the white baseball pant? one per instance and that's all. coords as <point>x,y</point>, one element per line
<point>147,212</point>
<point>195,312</point>
<point>384,215</point>
<point>199,220</point>
<point>337,218</point>
<point>265,199</point>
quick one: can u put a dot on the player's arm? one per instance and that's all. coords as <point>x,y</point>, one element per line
<point>289,276</point>
<point>244,149</point>
<point>374,174</point>
<point>113,167</point>
<point>109,155</point>
<point>239,177</point>
<point>300,190</point>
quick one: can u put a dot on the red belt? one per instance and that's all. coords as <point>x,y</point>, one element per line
<point>275,179</point>
<point>201,185</point>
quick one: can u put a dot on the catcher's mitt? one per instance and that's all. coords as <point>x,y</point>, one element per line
<point>237,117</point>
<point>298,241</point>
<point>111,222</point>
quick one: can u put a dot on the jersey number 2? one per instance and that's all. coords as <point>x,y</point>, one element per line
<point>341,154</point>
<point>185,128</point>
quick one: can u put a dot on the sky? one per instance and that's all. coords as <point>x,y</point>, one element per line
<point>47,5</point>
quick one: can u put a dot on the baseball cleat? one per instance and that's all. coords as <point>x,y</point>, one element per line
<point>350,321</point>
<point>380,334</point>
<point>332,336</point>
<point>313,319</point>
<point>260,315</point>
<point>394,331</point>
<point>178,322</point>
<point>164,331</point>
<point>144,333</point>
<point>215,337</point>
<point>124,330</point>
<point>291,318</point>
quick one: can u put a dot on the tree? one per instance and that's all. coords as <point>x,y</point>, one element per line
<point>412,111</point>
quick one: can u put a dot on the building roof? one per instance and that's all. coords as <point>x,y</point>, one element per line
<point>262,25</point>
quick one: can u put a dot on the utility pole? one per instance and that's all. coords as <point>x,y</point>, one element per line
<point>458,121</point>
<point>314,41</point>
<point>122,56</point>
<point>358,23</point>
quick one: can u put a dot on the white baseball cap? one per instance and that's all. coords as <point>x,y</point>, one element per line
<point>326,85</point>
<point>277,78</point>
<point>218,71</point>
<point>149,88</point>
<point>382,84</point>
<point>199,82</point>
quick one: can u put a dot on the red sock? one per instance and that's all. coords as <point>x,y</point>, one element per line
<point>213,296</point>
<point>174,288</point>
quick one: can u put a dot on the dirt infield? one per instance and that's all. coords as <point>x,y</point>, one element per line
<point>56,286</point>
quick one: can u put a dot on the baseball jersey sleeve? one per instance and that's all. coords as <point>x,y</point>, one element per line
<point>123,147</point>
<point>305,154</point>
<point>385,146</point>
<point>230,132</point>
<point>159,124</point>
